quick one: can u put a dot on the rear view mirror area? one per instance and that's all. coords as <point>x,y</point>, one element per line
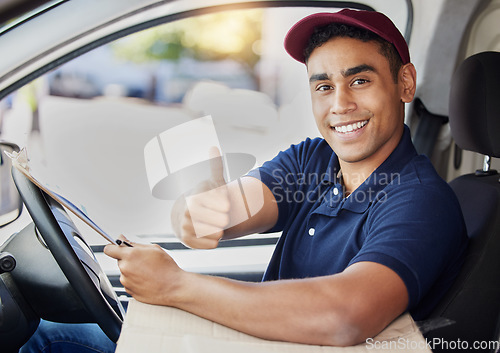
<point>10,201</point>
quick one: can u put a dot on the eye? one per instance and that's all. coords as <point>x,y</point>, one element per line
<point>324,87</point>
<point>360,81</point>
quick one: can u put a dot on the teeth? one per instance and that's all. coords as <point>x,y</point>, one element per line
<point>351,127</point>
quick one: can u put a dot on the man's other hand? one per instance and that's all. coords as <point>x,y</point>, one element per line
<point>203,215</point>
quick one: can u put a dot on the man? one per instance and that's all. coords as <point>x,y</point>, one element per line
<point>369,229</point>
<point>383,236</point>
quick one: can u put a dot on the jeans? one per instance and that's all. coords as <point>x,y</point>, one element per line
<point>51,337</point>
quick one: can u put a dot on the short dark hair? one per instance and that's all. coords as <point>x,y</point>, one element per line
<point>323,34</point>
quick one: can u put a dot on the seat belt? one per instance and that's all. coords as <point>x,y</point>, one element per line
<point>428,128</point>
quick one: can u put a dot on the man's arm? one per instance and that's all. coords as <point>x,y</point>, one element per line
<point>216,210</point>
<point>342,309</point>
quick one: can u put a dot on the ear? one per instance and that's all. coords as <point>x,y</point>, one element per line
<point>408,82</point>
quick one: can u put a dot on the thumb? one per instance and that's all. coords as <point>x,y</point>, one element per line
<point>216,166</point>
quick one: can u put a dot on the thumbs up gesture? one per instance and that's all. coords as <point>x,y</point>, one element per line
<point>201,217</point>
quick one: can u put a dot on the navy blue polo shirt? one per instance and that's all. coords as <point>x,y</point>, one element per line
<point>404,216</point>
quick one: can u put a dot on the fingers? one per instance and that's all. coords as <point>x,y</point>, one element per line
<point>207,216</point>
<point>206,211</point>
<point>211,228</point>
<point>208,205</point>
<point>118,251</point>
<point>115,251</point>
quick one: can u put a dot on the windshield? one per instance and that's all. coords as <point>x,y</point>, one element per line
<point>122,130</point>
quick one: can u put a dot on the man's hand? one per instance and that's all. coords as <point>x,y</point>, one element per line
<point>148,273</point>
<point>203,215</point>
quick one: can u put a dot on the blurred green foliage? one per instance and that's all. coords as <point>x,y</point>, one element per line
<point>226,35</point>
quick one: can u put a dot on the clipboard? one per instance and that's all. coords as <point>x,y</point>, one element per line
<point>20,162</point>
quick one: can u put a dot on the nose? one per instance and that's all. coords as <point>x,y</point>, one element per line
<point>342,102</point>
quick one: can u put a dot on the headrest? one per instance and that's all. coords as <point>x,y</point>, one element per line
<point>475,104</point>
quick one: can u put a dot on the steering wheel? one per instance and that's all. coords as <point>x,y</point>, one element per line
<point>73,255</point>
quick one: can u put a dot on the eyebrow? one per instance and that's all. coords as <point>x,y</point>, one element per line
<point>345,73</point>
<point>357,69</point>
<point>318,77</point>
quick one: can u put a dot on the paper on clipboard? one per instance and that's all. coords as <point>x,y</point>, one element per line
<point>21,162</point>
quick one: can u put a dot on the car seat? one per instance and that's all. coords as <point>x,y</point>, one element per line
<point>472,305</point>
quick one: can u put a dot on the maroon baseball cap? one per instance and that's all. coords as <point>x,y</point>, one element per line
<point>298,36</point>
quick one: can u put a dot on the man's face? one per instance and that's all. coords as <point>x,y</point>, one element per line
<point>356,103</point>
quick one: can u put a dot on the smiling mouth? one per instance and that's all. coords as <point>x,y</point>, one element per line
<point>350,128</point>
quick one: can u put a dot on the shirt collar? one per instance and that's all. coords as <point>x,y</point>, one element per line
<point>369,191</point>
